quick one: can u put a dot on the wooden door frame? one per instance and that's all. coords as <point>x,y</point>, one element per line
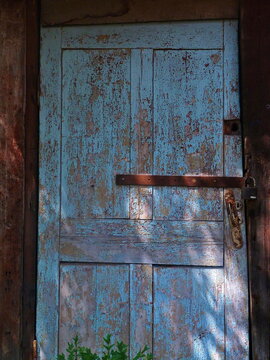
<point>20,242</point>
<point>19,67</point>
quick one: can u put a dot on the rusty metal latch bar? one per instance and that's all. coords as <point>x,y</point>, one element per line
<point>234,219</point>
<point>187,181</point>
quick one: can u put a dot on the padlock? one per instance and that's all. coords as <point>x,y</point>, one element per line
<point>249,192</point>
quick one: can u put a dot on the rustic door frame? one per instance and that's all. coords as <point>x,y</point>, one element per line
<point>255,85</point>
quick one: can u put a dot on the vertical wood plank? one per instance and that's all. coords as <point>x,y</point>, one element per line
<point>141,305</point>
<point>49,198</point>
<point>77,304</point>
<point>255,79</point>
<point>233,160</point>
<point>141,130</point>
<point>188,313</point>
<point>31,176</point>
<point>188,111</point>
<point>12,173</point>
<point>231,70</point>
<point>236,294</point>
<point>96,133</point>
<point>236,281</point>
<point>112,298</point>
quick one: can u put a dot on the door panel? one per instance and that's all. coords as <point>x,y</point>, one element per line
<point>94,301</point>
<point>188,98</point>
<point>149,265</point>
<point>95,132</point>
<point>189,316</point>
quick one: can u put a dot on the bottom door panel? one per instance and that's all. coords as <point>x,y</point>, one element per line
<point>178,311</point>
<point>188,313</point>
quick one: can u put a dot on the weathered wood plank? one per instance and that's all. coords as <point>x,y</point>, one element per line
<point>94,302</point>
<point>113,297</point>
<point>188,313</point>
<point>141,200</point>
<point>236,294</point>
<point>255,57</point>
<point>184,35</point>
<point>188,93</point>
<point>78,12</point>
<point>231,71</point>
<point>49,198</point>
<point>95,133</point>
<point>31,134</point>
<point>236,280</point>
<point>12,172</point>
<point>143,241</point>
<point>233,161</point>
<point>141,307</point>
<point>77,304</point>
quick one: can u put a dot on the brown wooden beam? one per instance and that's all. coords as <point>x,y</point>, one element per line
<point>255,59</point>
<point>12,64</point>
<point>78,12</point>
<point>19,53</point>
<point>31,176</point>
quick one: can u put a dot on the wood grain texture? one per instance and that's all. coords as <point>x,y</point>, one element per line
<point>86,308</point>
<point>49,196</point>
<point>141,307</point>
<point>236,294</point>
<point>184,35</point>
<point>12,172</point>
<point>255,56</point>
<point>77,12</point>
<point>141,199</point>
<point>95,133</point>
<point>94,302</point>
<point>188,313</point>
<point>233,162</point>
<point>236,277</point>
<point>31,177</point>
<point>231,71</point>
<point>188,93</point>
<point>150,242</point>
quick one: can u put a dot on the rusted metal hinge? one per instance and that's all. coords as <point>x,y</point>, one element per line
<point>186,181</point>
<point>34,348</point>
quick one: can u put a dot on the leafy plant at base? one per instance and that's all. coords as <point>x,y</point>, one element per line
<point>118,351</point>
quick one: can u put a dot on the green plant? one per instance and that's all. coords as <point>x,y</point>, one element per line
<point>110,351</point>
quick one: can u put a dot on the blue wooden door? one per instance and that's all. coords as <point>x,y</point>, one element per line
<point>149,265</point>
